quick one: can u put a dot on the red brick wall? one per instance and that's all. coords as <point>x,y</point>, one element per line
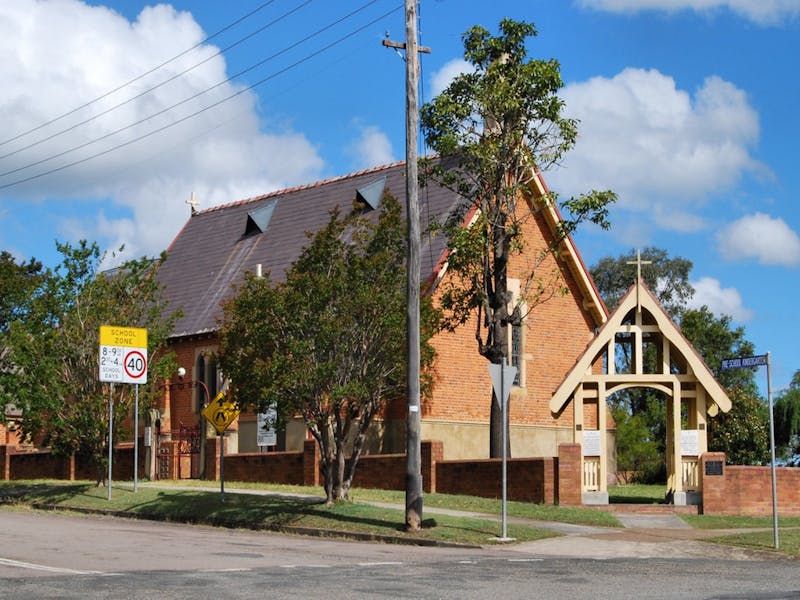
<point>41,464</point>
<point>557,331</point>
<point>745,490</point>
<point>272,467</point>
<point>528,479</point>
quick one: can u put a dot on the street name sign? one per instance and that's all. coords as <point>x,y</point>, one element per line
<point>743,362</point>
<point>123,354</point>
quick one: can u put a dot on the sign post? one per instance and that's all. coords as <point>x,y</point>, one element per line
<point>123,359</point>
<point>502,380</point>
<point>757,361</point>
<point>221,412</point>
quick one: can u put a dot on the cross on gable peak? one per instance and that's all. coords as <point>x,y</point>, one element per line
<point>639,262</point>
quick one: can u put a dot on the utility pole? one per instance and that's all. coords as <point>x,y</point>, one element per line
<point>413,448</point>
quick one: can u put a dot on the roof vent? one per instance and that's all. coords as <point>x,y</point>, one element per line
<point>258,219</point>
<point>372,193</point>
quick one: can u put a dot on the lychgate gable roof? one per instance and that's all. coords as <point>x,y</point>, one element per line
<point>639,315</point>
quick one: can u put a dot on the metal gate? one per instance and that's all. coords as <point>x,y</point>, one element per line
<point>179,453</point>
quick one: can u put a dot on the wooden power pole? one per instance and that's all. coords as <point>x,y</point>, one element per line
<point>413,448</point>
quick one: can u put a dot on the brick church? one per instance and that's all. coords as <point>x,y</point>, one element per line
<point>217,246</point>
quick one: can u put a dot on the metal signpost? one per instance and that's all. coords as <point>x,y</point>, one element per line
<point>221,412</point>
<point>502,380</point>
<point>757,361</point>
<point>123,359</point>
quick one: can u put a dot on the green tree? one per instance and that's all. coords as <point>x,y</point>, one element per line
<point>493,129</point>
<point>18,282</point>
<point>786,412</point>
<point>328,342</point>
<point>667,278</point>
<point>54,351</point>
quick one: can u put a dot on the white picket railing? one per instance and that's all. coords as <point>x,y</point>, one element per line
<point>591,474</point>
<point>690,474</point>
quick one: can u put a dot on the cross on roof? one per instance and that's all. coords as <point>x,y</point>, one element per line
<point>193,203</point>
<point>639,262</point>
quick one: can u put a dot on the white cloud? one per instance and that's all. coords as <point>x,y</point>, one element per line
<point>653,143</point>
<point>764,12</point>
<point>372,148</point>
<point>720,301</point>
<point>442,78</point>
<point>60,54</point>
<point>770,241</point>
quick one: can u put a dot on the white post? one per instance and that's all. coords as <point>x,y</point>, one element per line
<point>110,437</point>
<point>772,451</point>
<point>136,442</point>
<point>504,408</point>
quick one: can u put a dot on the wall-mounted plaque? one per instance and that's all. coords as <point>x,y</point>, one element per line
<point>591,442</point>
<point>714,467</point>
<point>690,442</point>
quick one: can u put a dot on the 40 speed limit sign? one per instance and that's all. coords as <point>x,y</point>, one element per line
<point>123,354</point>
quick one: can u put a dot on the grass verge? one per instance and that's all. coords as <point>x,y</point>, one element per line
<point>260,512</point>
<point>789,541</point>
<point>474,504</point>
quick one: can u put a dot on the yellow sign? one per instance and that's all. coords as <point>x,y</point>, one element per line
<point>221,412</point>
<point>128,337</point>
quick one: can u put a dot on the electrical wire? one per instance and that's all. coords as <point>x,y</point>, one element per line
<point>137,78</point>
<point>155,87</point>
<point>202,110</point>
<point>192,97</point>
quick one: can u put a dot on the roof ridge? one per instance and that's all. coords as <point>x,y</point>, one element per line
<point>300,187</point>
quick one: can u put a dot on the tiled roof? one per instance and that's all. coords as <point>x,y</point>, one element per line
<point>216,248</point>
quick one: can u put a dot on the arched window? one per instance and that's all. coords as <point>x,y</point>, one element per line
<point>207,376</point>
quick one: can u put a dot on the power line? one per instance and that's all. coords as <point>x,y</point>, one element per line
<point>137,78</point>
<point>202,110</point>
<point>190,98</point>
<point>147,91</point>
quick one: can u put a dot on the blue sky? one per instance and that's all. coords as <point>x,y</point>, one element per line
<point>688,110</point>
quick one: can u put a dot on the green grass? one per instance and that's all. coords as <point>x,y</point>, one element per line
<point>735,522</point>
<point>260,511</point>
<point>789,540</point>
<point>527,510</point>
<point>636,493</point>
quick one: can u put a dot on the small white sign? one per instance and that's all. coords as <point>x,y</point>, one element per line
<point>591,442</point>
<point>266,434</point>
<point>690,442</point>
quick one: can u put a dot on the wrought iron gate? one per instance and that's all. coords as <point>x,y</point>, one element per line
<point>179,453</point>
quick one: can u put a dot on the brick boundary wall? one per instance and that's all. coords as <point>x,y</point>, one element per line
<point>528,479</point>
<point>746,490</point>
<point>540,480</point>
<point>24,463</point>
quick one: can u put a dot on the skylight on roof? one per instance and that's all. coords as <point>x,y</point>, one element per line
<point>372,193</point>
<point>258,219</point>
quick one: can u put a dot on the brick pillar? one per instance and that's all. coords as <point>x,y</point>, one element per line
<point>713,484</point>
<point>570,475</point>
<point>5,462</point>
<point>431,452</point>
<point>549,487</point>
<point>311,460</point>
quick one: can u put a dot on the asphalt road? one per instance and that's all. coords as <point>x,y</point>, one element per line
<point>48,555</point>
